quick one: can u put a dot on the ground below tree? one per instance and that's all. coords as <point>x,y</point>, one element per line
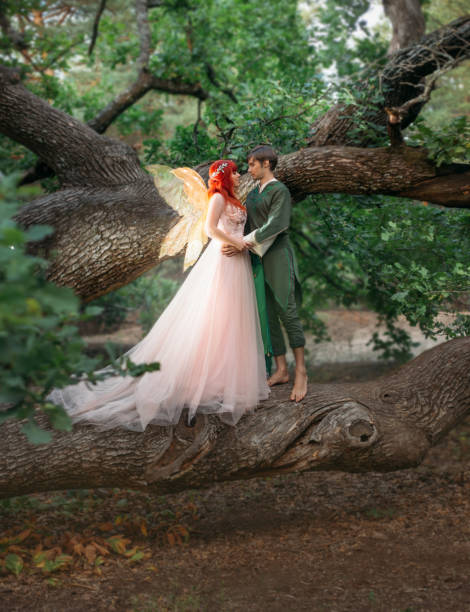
<point>313,541</point>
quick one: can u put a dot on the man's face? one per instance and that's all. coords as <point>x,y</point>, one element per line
<point>257,169</point>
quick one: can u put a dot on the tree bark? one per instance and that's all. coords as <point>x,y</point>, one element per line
<point>383,425</point>
<point>387,170</point>
<point>103,239</point>
<point>76,153</point>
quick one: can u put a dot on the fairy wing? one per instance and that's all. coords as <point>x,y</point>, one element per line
<point>184,190</point>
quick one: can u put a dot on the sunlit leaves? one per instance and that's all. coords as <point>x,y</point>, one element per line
<point>342,41</point>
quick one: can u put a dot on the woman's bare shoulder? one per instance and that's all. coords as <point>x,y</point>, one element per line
<point>217,199</point>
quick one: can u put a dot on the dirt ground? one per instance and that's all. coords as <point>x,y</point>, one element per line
<point>313,541</point>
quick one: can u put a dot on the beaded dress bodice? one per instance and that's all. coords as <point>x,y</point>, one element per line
<point>232,220</point>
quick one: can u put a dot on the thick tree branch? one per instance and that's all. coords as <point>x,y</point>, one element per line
<point>144,83</point>
<point>447,46</point>
<point>391,171</point>
<point>104,237</point>
<point>383,425</point>
<point>401,81</point>
<point>65,144</point>
<point>450,188</point>
<point>107,237</point>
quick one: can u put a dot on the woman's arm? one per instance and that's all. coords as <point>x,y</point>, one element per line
<point>216,206</point>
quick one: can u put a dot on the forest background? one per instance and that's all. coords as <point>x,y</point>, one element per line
<point>231,74</point>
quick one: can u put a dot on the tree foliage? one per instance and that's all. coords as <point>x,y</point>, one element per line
<point>358,250</point>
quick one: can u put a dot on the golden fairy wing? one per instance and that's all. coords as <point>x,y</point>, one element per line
<point>194,187</point>
<point>184,191</point>
<point>196,240</point>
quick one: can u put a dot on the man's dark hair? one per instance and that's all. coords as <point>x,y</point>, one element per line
<point>263,152</point>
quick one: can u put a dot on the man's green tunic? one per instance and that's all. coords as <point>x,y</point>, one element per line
<point>269,214</point>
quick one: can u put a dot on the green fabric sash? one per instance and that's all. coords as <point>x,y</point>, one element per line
<point>258,275</point>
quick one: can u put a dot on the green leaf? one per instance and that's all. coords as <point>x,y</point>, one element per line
<point>400,296</point>
<point>14,564</point>
<point>58,417</point>
<point>35,434</point>
<point>93,311</point>
<point>38,232</point>
<point>12,236</point>
<point>11,396</point>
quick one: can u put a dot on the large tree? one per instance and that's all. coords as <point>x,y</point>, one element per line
<point>109,221</point>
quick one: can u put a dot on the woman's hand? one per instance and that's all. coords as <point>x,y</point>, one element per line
<point>230,250</point>
<point>241,244</point>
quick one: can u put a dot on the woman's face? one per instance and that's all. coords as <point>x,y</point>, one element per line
<point>236,178</point>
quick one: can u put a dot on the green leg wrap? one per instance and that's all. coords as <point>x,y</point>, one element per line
<point>258,275</point>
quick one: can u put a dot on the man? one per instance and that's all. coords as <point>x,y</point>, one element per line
<point>269,209</point>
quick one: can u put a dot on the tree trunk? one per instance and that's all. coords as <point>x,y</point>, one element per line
<point>383,425</point>
<point>407,21</point>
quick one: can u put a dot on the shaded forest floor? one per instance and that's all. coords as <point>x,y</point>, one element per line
<point>314,541</point>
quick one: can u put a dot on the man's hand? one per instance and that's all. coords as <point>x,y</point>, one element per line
<point>229,250</point>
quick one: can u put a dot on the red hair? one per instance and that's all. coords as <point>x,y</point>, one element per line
<point>221,180</point>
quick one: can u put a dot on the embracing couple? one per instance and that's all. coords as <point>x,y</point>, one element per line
<point>215,339</point>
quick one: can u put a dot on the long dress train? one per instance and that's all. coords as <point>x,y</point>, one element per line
<point>209,345</point>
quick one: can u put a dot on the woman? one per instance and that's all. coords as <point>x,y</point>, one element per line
<point>207,341</point>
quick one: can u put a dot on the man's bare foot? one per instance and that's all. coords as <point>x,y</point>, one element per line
<point>299,389</point>
<point>278,378</point>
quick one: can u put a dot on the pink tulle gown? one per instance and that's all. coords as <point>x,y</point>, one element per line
<point>209,345</point>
